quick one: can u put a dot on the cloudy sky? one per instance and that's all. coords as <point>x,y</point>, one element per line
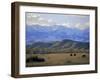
<point>70,21</point>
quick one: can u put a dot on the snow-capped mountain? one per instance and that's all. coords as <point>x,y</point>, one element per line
<point>43,33</point>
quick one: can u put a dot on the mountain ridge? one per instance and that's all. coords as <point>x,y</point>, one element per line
<point>60,46</point>
<point>46,34</point>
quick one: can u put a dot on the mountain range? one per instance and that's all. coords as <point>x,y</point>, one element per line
<point>38,33</point>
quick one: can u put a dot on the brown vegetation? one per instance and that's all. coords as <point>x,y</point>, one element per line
<point>58,59</point>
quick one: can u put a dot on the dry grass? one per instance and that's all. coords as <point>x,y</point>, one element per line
<point>59,59</point>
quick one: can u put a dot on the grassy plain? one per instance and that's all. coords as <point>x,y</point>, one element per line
<point>53,59</point>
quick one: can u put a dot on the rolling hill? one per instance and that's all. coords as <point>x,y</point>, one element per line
<point>59,46</point>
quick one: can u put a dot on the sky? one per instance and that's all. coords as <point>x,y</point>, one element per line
<point>68,20</point>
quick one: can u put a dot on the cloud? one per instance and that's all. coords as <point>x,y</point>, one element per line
<point>68,25</point>
<point>37,19</point>
<point>77,25</point>
<point>82,26</point>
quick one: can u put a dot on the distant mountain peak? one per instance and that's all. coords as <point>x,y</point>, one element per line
<point>55,33</point>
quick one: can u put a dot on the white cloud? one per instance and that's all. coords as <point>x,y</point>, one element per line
<point>68,25</point>
<point>32,15</point>
<point>82,26</point>
<point>33,19</point>
<point>36,19</point>
<point>78,25</point>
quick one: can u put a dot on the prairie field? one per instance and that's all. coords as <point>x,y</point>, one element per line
<point>53,59</point>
